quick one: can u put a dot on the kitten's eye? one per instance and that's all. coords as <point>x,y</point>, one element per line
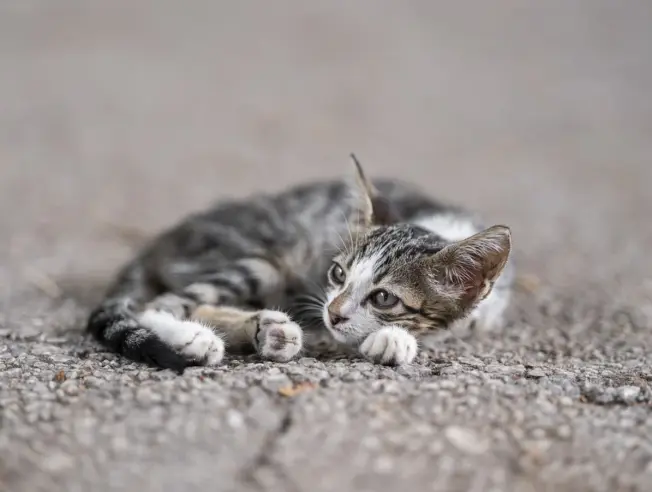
<point>383,299</point>
<point>337,274</point>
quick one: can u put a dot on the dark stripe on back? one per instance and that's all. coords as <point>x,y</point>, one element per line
<point>228,285</point>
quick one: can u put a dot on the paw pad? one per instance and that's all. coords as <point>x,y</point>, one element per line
<point>278,338</point>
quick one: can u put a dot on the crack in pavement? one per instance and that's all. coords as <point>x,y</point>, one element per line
<point>265,457</point>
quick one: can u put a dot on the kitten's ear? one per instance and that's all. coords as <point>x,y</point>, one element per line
<point>467,270</point>
<point>374,208</point>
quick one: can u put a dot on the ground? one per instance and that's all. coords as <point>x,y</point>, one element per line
<point>117,118</point>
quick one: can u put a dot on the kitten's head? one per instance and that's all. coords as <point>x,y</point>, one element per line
<point>399,274</point>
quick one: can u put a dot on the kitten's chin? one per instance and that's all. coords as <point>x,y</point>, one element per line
<point>339,336</point>
<point>336,334</point>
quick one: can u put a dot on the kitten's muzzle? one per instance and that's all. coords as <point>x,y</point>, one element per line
<point>335,318</point>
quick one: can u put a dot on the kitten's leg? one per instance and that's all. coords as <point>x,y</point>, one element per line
<point>166,317</point>
<point>391,345</point>
<point>271,333</point>
<point>246,280</point>
<point>177,305</point>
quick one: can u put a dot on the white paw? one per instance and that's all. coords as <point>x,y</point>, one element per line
<point>390,346</point>
<point>277,336</point>
<point>196,342</point>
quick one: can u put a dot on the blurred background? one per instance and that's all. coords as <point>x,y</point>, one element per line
<point>133,113</point>
<point>119,117</point>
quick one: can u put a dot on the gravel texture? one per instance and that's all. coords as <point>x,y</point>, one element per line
<point>117,118</point>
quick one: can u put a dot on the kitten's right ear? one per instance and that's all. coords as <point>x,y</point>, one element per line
<point>468,269</point>
<point>374,208</point>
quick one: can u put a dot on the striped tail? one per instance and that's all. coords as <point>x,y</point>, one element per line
<point>117,325</point>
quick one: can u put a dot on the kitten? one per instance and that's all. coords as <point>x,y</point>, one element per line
<point>374,263</point>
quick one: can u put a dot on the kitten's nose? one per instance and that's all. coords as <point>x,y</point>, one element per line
<point>335,318</point>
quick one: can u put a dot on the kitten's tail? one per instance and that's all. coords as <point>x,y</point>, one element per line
<point>115,323</point>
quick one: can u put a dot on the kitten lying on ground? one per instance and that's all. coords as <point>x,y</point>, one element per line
<point>375,263</point>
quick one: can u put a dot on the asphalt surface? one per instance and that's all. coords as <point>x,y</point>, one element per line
<point>117,118</point>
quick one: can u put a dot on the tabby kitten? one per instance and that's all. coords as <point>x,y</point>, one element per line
<point>374,263</point>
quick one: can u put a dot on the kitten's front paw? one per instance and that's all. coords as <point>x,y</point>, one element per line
<point>391,346</point>
<point>277,337</point>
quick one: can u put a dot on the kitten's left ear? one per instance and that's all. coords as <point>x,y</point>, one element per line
<point>375,209</point>
<point>467,270</point>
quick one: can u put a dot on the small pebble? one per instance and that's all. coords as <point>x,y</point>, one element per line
<point>535,373</point>
<point>471,361</point>
<point>628,394</point>
<point>465,440</point>
<point>234,419</point>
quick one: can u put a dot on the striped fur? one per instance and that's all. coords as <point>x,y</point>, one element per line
<point>251,272</point>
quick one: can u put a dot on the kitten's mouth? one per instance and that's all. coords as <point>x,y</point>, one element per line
<point>342,334</point>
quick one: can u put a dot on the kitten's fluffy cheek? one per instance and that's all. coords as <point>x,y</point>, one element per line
<point>361,325</point>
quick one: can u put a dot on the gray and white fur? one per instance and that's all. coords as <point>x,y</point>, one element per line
<point>375,264</point>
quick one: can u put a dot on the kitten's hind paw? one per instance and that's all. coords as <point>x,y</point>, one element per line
<point>277,337</point>
<point>194,342</point>
<point>392,346</point>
